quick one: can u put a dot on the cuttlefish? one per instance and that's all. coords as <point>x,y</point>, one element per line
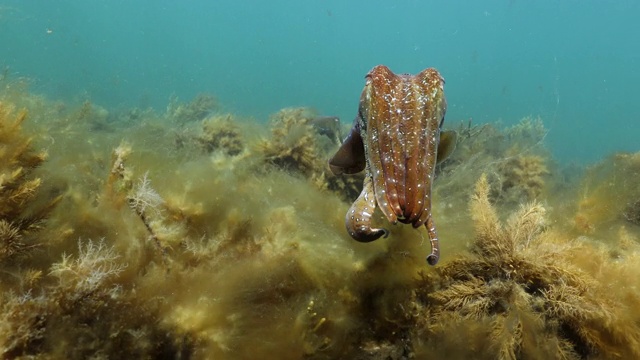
<point>397,139</point>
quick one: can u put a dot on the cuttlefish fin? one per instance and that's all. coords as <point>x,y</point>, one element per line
<point>446,145</point>
<point>349,159</point>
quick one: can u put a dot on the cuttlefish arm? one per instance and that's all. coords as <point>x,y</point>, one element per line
<point>446,145</point>
<point>350,159</point>
<point>358,220</point>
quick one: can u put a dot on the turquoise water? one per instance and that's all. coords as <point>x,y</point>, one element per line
<point>574,63</point>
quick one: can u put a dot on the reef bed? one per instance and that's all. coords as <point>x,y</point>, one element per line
<point>193,233</point>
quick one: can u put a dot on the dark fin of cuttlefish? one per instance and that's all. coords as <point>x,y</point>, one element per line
<point>446,145</point>
<point>349,159</point>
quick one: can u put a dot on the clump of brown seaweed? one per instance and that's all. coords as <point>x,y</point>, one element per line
<point>20,213</point>
<point>609,194</point>
<point>221,133</point>
<point>196,110</point>
<point>523,176</point>
<point>296,145</point>
<point>513,159</point>
<point>518,281</point>
<point>292,145</point>
<point>83,299</point>
<point>87,305</point>
<point>237,250</point>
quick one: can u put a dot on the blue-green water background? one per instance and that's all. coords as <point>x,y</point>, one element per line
<point>574,63</point>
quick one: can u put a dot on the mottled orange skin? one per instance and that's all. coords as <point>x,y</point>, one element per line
<point>398,124</point>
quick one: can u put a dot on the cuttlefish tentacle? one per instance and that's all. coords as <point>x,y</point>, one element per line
<point>358,220</point>
<point>433,258</point>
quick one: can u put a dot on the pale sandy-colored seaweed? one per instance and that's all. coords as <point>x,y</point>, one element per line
<point>295,145</point>
<point>523,176</point>
<point>220,132</point>
<point>21,214</point>
<point>193,111</point>
<point>519,280</point>
<point>513,158</point>
<point>157,251</point>
<point>609,194</point>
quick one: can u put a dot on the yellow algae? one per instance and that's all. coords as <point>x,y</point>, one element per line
<point>195,234</point>
<point>521,279</point>
<point>524,176</point>
<point>609,196</point>
<point>195,110</point>
<point>295,145</point>
<point>23,207</point>
<point>221,133</point>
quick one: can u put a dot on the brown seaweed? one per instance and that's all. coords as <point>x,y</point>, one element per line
<point>196,110</point>
<point>19,187</point>
<point>158,251</point>
<point>519,280</point>
<point>221,133</point>
<point>295,145</point>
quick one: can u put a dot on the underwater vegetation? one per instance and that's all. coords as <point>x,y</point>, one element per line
<point>611,182</point>
<point>219,133</point>
<point>513,158</point>
<point>300,144</point>
<point>195,110</point>
<point>292,145</point>
<point>518,294</point>
<point>20,217</point>
<point>194,234</point>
